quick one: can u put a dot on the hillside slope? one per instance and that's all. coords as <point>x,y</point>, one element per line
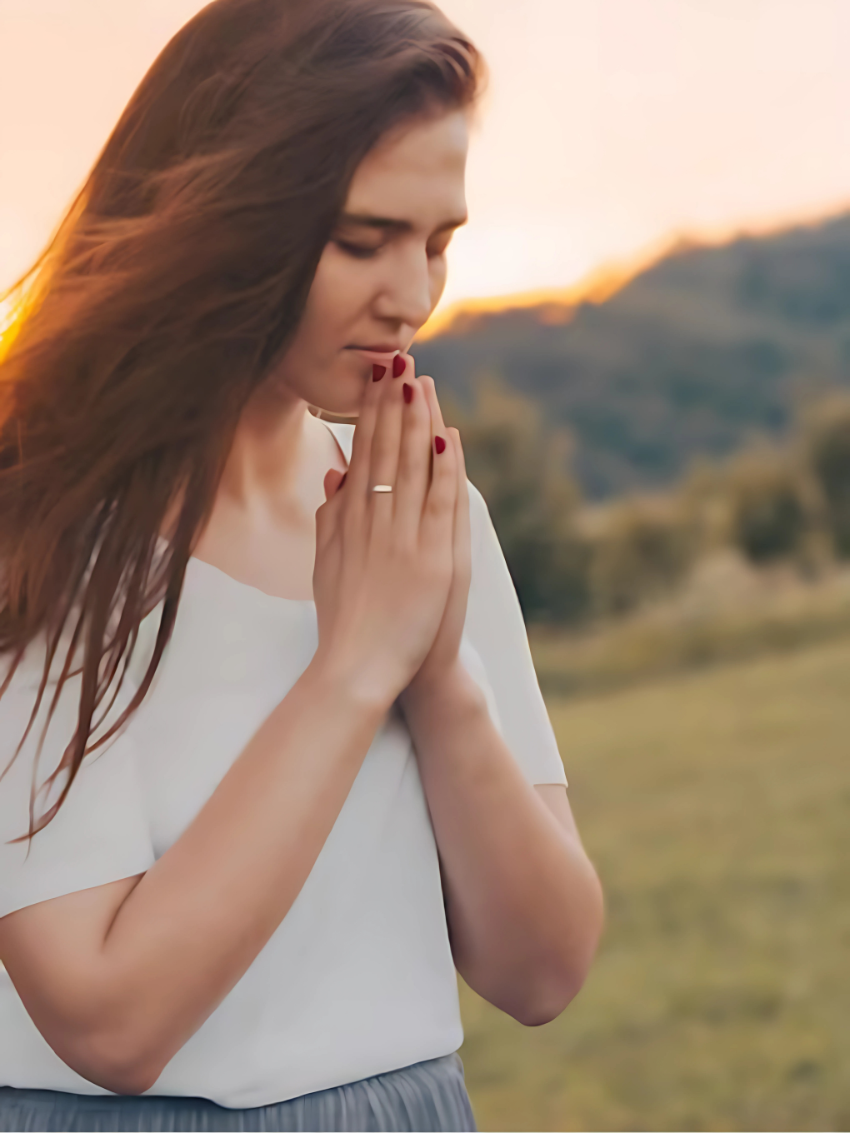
<point>702,350</point>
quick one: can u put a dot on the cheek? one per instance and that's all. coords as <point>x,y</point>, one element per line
<point>339,290</point>
<point>438,277</point>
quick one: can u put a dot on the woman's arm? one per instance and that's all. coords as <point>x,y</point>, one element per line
<point>118,977</point>
<point>523,902</point>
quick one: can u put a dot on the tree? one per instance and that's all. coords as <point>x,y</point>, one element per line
<point>770,516</point>
<point>521,468</point>
<point>826,442</point>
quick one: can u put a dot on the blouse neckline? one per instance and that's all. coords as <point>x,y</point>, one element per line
<point>255,589</point>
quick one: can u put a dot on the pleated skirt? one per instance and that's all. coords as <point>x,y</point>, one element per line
<point>425,1096</point>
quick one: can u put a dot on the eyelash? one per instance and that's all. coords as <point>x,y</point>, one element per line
<point>356,251</point>
<point>364,253</point>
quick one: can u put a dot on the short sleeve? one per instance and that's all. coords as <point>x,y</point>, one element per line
<point>495,650</point>
<point>100,833</point>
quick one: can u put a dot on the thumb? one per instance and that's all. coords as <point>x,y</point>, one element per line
<point>333,482</point>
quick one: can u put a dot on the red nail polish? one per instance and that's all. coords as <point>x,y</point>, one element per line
<point>378,372</point>
<point>398,366</point>
<point>408,393</point>
<point>439,444</point>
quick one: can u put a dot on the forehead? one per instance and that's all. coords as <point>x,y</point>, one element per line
<point>419,167</point>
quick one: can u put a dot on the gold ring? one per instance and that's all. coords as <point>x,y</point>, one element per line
<point>382,488</point>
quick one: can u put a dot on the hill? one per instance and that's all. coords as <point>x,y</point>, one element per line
<point>696,354</point>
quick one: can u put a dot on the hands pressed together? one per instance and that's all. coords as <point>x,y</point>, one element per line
<point>392,569</point>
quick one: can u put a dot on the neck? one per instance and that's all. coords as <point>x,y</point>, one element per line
<point>270,454</point>
<point>274,473</point>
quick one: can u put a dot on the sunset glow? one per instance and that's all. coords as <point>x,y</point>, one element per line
<point>611,128</point>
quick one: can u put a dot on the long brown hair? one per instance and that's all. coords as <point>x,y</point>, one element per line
<point>171,288</point>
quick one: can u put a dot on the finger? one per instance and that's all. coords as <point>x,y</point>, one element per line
<point>414,465</point>
<point>438,426</point>
<point>333,482</point>
<point>463,541</point>
<point>439,439</point>
<point>386,442</point>
<point>437,528</point>
<point>451,438</point>
<point>327,514</point>
<point>357,484</point>
<point>403,366</point>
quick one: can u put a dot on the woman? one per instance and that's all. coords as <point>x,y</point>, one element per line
<point>319,774</point>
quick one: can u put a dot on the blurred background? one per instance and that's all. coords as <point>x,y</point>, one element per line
<point>645,341</point>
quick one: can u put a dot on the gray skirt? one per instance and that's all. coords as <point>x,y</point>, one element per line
<point>427,1095</point>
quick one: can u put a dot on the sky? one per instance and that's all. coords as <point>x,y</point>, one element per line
<point>612,127</point>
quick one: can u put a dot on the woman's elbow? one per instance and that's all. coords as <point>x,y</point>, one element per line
<point>547,1006</point>
<point>114,1063</point>
<point>566,975</point>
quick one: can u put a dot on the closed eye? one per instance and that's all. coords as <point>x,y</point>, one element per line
<point>356,250</point>
<point>361,253</point>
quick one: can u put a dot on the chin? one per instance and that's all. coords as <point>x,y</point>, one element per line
<point>341,405</point>
<point>342,390</point>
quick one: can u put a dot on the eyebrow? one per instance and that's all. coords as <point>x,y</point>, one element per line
<point>391,224</point>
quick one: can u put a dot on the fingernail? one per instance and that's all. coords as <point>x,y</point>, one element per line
<point>378,372</point>
<point>408,393</point>
<point>439,444</point>
<point>342,481</point>
<point>398,366</point>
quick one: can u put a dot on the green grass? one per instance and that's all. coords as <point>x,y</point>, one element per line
<point>716,807</point>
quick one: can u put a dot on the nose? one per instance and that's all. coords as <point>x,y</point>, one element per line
<point>408,295</point>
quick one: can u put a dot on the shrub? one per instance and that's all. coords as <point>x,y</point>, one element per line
<point>641,550</point>
<point>770,515</point>
<point>826,443</point>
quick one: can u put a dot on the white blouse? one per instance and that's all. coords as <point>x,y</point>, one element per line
<point>358,978</point>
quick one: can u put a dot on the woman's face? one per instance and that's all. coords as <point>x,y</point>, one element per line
<point>378,282</point>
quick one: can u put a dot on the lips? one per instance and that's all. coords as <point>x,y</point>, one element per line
<point>381,357</point>
<point>380,348</point>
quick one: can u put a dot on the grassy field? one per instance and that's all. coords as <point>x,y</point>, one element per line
<point>716,806</point>
<point>735,620</point>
